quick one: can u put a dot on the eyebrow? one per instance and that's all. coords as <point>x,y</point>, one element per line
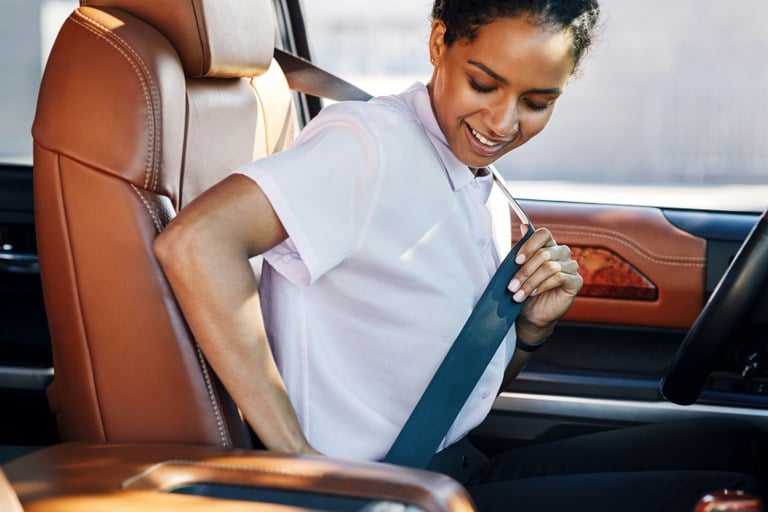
<point>498,77</point>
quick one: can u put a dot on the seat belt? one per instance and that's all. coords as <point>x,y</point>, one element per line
<point>305,77</point>
<point>458,374</point>
<point>479,339</point>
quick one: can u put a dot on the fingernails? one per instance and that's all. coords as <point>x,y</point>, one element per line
<point>514,285</point>
<point>519,296</point>
<point>520,259</point>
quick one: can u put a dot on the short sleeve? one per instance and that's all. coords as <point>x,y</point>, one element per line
<point>322,189</point>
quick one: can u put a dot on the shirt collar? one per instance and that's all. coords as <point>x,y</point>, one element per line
<point>417,99</point>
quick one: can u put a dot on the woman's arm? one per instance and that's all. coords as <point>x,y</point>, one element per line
<point>204,253</point>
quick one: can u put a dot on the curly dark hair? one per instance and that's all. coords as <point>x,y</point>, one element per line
<point>463,18</point>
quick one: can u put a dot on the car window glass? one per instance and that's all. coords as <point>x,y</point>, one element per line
<point>668,110</point>
<point>27,31</point>
<point>379,46</point>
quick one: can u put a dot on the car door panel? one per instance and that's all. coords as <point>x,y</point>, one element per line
<point>25,351</point>
<point>724,233</point>
<point>670,259</point>
<point>602,366</point>
<point>23,330</point>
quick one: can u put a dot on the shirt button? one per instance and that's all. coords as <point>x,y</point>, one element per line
<point>482,242</point>
<point>486,394</point>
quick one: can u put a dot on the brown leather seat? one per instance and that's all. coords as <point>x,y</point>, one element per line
<point>166,477</point>
<point>143,105</point>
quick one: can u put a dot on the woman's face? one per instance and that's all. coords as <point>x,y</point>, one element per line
<point>495,93</point>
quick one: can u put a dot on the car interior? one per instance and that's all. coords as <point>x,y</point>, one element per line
<point>143,105</point>
<point>161,103</point>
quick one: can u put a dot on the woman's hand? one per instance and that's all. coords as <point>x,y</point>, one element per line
<point>550,280</point>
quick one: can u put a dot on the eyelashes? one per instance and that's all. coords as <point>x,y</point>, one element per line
<point>537,107</point>
<point>486,89</point>
<point>482,89</point>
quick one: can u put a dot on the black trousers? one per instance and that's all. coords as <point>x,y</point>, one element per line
<point>653,468</point>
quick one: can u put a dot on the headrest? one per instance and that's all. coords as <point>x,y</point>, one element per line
<point>214,38</point>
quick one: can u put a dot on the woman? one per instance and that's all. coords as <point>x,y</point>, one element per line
<point>378,242</point>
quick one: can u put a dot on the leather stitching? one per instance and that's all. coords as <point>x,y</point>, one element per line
<point>209,386</point>
<point>212,397</point>
<point>204,367</point>
<point>155,126</point>
<point>152,212</point>
<point>147,86</point>
<point>151,174</point>
<point>163,213</point>
<point>634,245</point>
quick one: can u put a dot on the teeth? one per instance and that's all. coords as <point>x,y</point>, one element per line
<point>482,139</point>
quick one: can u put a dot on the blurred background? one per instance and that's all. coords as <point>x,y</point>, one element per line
<point>670,106</point>
<point>672,100</point>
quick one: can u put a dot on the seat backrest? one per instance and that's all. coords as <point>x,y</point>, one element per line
<point>143,105</point>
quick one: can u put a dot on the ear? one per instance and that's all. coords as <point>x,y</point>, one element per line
<point>437,42</point>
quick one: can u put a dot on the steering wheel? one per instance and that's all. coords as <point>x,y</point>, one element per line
<point>727,308</point>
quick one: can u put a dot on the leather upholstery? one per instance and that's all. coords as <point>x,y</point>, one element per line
<point>673,260</point>
<point>214,38</point>
<point>124,137</point>
<point>142,477</point>
<point>119,99</point>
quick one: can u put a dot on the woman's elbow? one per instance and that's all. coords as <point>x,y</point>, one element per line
<point>172,243</point>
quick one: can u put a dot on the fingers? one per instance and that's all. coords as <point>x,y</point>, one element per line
<point>545,266</point>
<point>540,238</point>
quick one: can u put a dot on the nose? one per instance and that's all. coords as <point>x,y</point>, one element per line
<point>505,119</point>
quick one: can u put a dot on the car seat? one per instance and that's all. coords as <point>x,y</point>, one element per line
<point>143,105</point>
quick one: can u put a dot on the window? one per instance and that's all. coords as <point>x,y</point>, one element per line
<point>669,109</point>
<point>27,31</point>
<point>379,46</point>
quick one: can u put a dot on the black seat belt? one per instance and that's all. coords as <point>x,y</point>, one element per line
<point>464,364</point>
<point>479,339</point>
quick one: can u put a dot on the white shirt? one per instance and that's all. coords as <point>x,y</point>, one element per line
<point>390,246</point>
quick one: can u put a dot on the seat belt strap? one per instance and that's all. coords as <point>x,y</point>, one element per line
<point>479,339</point>
<point>458,374</point>
<point>303,76</point>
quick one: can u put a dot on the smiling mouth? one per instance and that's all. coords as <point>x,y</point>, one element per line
<point>483,140</point>
<point>483,145</point>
